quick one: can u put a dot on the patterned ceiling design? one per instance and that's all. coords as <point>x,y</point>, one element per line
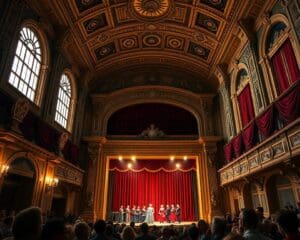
<point>107,35</point>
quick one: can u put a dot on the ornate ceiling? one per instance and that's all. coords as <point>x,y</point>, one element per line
<point>106,36</point>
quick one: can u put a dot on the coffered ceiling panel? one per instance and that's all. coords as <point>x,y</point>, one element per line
<point>114,34</point>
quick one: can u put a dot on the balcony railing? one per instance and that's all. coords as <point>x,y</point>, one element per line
<point>276,116</point>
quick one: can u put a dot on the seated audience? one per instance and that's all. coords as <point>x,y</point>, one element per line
<point>82,231</point>
<point>128,233</point>
<point>54,229</point>
<point>248,225</point>
<point>218,228</point>
<point>99,228</point>
<point>145,233</point>
<point>288,224</point>
<point>28,224</point>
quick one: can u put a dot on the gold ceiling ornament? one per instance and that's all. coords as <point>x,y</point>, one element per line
<point>151,10</point>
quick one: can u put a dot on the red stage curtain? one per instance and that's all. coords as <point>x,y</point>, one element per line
<point>249,136</point>
<point>265,122</point>
<point>228,152</point>
<point>141,188</point>
<point>288,106</point>
<point>237,144</point>
<point>285,66</point>
<point>246,105</point>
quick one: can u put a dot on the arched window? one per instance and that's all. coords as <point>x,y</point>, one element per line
<point>65,101</point>
<point>244,97</point>
<point>30,63</point>
<point>279,56</point>
<point>284,61</point>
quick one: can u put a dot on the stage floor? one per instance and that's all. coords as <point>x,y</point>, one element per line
<point>158,224</point>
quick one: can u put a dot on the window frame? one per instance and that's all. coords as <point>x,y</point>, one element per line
<point>44,61</point>
<point>72,103</point>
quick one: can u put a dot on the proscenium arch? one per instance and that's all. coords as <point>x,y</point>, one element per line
<point>189,101</point>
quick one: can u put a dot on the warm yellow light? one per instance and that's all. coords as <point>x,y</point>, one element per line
<point>172,158</point>
<point>129,165</point>
<point>120,158</point>
<point>177,165</point>
<point>133,158</point>
<point>185,158</point>
<point>51,182</point>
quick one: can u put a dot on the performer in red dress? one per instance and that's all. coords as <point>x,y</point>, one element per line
<point>161,214</point>
<point>173,214</point>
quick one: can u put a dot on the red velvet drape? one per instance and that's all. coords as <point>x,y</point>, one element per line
<point>161,187</point>
<point>246,105</point>
<point>288,106</point>
<point>228,152</point>
<point>285,66</point>
<point>265,122</point>
<point>249,136</point>
<point>237,145</point>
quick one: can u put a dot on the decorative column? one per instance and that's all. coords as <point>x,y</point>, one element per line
<point>227,111</point>
<point>90,197</point>
<point>210,178</point>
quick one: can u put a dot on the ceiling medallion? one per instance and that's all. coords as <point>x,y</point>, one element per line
<point>151,10</point>
<point>151,40</point>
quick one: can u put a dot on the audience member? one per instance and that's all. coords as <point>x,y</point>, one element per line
<point>82,231</point>
<point>145,233</point>
<point>54,229</point>
<point>248,225</point>
<point>99,228</point>
<point>218,228</point>
<point>128,233</point>
<point>28,224</point>
<point>288,224</point>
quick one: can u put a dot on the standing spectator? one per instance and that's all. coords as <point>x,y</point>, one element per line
<point>288,224</point>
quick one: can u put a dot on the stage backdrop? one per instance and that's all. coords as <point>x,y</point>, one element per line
<point>154,181</point>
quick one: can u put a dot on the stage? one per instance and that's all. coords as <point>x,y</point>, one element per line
<point>158,224</point>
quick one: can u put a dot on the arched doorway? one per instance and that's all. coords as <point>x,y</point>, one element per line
<point>59,201</point>
<point>280,193</point>
<point>18,184</point>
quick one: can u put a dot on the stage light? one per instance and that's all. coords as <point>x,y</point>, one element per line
<point>120,158</point>
<point>185,158</point>
<point>129,165</point>
<point>133,158</point>
<point>172,158</point>
<point>177,165</point>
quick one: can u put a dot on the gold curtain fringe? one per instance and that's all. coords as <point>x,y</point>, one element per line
<point>152,171</point>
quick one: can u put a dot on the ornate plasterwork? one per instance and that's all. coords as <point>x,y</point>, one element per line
<point>151,10</point>
<point>105,105</point>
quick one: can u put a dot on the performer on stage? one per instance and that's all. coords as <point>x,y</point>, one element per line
<point>173,214</point>
<point>150,214</point>
<point>121,214</point>
<point>161,214</point>
<point>178,213</point>
<point>127,214</point>
<point>133,213</point>
<point>168,212</point>
<point>138,214</point>
<point>143,214</point>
